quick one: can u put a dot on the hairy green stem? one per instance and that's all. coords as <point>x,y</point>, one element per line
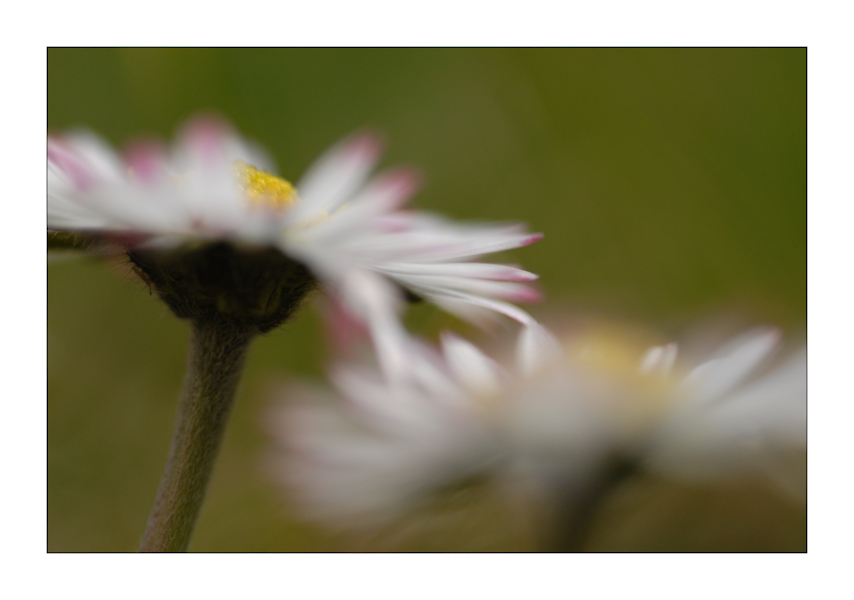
<point>215,362</point>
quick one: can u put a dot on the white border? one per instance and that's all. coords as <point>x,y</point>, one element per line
<point>820,25</point>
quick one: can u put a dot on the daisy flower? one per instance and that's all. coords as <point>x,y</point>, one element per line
<point>348,229</point>
<point>733,411</point>
<point>377,448</point>
<point>234,248</point>
<point>561,414</point>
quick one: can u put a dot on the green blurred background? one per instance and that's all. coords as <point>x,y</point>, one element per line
<point>670,184</point>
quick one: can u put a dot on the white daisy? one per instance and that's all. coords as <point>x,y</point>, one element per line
<point>385,443</point>
<point>730,417</point>
<point>382,447</point>
<point>720,415</point>
<point>349,229</point>
<point>201,188</point>
<point>563,413</point>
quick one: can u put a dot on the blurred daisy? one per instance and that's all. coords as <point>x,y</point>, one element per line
<point>736,412</point>
<point>380,448</point>
<point>730,412</point>
<point>348,229</point>
<point>561,415</point>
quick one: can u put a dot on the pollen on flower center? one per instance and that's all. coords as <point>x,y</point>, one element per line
<point>262,188</point>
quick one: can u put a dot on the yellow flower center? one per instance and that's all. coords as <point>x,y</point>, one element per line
<point>262,188</point>
<point>612,358</point>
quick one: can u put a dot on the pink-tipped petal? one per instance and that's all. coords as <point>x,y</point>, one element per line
<point>343,328</point>
<point>485,271</point>
<point>204,137</point>
<point>395,188</point>
<point>517,275</point>
<point>69,164</point>
<point>146,160</point>
<point>532,239</point>
<point>337,175</point>
<point>438,241</point>
<point>365,146</point>
<point>526,294</point>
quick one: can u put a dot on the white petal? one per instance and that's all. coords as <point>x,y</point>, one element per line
<point>537,349</point>
<point>377,302</point>
<point>84,150</point>
<point>338,174</point>
<point>209,144</point>
<point>442,296</point>
<point>476,371</point>
<point>471,248</point>
<point>734,362</point>
<point>659,358</point>
<point>489,271</point>
<point>384,405</point>
<point>755,428</point>
<point>463,309</point>
<point>420,237</point>
<point>515,292</point>
<point>137,210</point>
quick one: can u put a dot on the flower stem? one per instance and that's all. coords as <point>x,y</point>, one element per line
<point>578,508</point>
<point>215,362</point>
